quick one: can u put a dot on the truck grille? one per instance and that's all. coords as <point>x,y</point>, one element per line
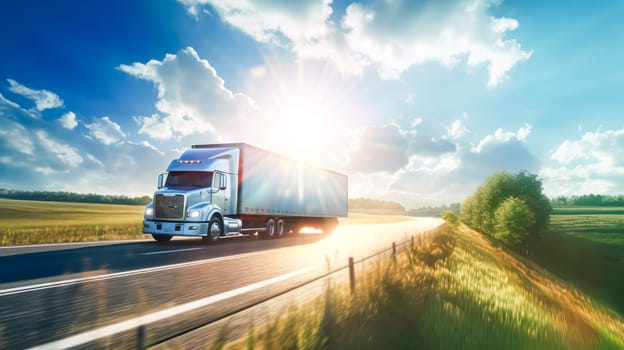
<point>169,207</point>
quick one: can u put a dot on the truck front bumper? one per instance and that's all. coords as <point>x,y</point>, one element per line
<point>175,228</point>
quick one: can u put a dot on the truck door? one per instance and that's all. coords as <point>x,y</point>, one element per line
<point>222,196</point>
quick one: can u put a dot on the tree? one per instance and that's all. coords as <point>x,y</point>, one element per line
<point>478,211</point>
<point>513,221</point>
<point>450,217</point>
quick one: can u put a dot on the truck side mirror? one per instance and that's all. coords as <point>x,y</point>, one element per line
<point>161,179</point>
<point>223,182</point>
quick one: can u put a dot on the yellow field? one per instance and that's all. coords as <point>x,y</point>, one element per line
<point>28,222</point>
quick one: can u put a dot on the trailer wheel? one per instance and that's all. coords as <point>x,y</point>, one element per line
<point>270,229</point>
<point>281,228</point>
<point>162,238</point>
<point>215,229</point>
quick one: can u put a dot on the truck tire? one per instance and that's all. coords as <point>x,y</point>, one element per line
<point>162,238</point>
<point>215,230</point>
<point>269,233</point>
<point>280,229</point>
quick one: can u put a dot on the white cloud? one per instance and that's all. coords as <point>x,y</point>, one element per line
<point>15,137</point>
<point>391,149</point>
<point>161,127</point>
<point>501,136</point>
<point>68,121</point>
<point>192,98</point>
<point>8,107</point>
<point>283,23</point>
<point>43,99</point>
<point>105,130</point>
<point>415,122</point>
<point>65,154</point>
<point>569,151</point>
<point>592,164</point>
<point>379,149</point>
<point>451,176</point>
<point>146,145</point>
<point>389,35</point>
<point>456,130</point>
<point>94,159</point>
<point>39,154</point>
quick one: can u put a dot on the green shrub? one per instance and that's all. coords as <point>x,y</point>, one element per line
<point>479,210</point>
<point>450,217</point>
<point>513,220</point>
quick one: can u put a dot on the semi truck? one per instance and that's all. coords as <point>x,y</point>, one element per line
<point>218,190</point>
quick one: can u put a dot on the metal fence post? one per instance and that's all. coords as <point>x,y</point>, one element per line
<point>393,250</point>
<point>141,337</point>
<point>351,275</point>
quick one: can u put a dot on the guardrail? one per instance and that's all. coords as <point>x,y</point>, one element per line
<point>142,330</point>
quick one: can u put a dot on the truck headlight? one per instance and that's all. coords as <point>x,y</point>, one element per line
<point>149,211</point>
<point>192,214</point>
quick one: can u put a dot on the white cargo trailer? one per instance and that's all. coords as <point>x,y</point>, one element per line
<point>217,190</point>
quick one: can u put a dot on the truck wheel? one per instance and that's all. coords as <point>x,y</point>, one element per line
<point>162,238</point>
<point>281,228</point>
<point>270,230</point>
<point>215,229</point>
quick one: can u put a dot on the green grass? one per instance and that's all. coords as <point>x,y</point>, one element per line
<point>455,290</point>
<point>576,210</point>
<point>29,222</point>
<point>588,251</point>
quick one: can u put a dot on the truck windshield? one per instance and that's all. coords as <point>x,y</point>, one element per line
<point>189,179</point>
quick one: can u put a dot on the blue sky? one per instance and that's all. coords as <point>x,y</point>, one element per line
<point>417,101</point>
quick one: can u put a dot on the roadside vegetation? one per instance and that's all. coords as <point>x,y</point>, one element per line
<point>432,211</point>
<point>508,207</point>
<point>31,222</point>
<point>454,289</point>
<point>580,241</point>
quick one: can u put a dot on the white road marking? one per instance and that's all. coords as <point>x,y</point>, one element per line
<point>170,251</point>
<point>36,287</point>
<point>86,337</point>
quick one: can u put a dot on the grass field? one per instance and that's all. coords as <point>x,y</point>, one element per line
<point>587,249</point>
<point>31,222</point>
<point>578,210</point>
<point>28,222</point>
<point>455,290</point>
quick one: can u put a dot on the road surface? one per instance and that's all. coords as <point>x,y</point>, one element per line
<point>97,294</point>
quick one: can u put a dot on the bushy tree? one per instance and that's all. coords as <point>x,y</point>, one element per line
<point>513,220</point>
<point>478,211</point>
<point>450,217</point>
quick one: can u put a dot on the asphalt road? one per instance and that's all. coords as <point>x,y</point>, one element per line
<point>95,295</point>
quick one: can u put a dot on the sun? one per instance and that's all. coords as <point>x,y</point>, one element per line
<point>304,129</point>
<point>307,111</point>
<point>303,126</point>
